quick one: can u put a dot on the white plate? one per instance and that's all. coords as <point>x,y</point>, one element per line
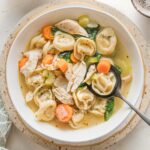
<point>87,135</point>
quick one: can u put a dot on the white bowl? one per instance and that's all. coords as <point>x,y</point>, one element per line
<point>84,136</point>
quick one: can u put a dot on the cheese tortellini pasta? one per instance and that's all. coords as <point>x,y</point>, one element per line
<point>37,42</point>
<point>42,94</point>
<point>106,41</point>
<point>34,80</point>
<point>63,41</point>
<point>83,47</point>
<point>98,108</point>
<point>103,84</point>
<point>46,110</point>
<point>77,118</point>
<point>83,98</point>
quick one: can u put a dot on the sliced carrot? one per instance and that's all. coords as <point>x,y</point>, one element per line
<point>48,59</point>
<point>62,65</point>
<point>64,113</point>
<point>72,57</point>
<point>103,66</point>
<point>22,62</point>
<point>47,33</point>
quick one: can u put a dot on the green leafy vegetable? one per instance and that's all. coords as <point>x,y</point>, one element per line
<point>92,32</point>
<point>109,108</point>
<point>82,85</point>
<point>66,56</point>
<point>54,30</point>
<point>98,55</point>
<point>76,36</point>
<point>118,69</point>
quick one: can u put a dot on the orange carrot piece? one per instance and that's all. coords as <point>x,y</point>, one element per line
<point>73,59</point>
<point>48,59</point>
<point>64,113</point>
<point>103,66</point>
<point>62,65</point>
<point>47,33</point>
<point>22,62</point>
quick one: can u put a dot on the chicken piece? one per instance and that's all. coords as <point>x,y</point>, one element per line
<point>69,77</point>
<point>62,95</point>
<point>72,27</point>
<point>61,82</point>
<point>91,71</point>
<point>79,71</point>
<point>33,57</point>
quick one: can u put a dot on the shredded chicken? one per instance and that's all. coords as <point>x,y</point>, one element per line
<point>62,95</point>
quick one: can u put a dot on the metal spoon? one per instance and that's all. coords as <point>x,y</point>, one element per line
<point>116,92</point>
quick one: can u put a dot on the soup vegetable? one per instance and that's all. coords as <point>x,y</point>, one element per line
<point>62,62</point>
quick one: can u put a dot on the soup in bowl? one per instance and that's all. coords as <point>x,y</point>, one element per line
<point>63,66</point>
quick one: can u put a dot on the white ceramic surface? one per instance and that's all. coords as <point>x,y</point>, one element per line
<point>92,134</point>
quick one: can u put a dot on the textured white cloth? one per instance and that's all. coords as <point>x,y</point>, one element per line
<point>5,125</point>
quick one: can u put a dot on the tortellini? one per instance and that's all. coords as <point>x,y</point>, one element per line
<point>77,118</point>
<point>35,80</point>
<point>83,47</point>
<point>41,94</point>
<point>63,41</point>
<point>33,57</point>
<point>46,111</point>
<point>98,108</point>
<point>72,27</point>
<point>103,84</point>
<point>106,41</point>
<point>37,42</point>
<point>83,98</point>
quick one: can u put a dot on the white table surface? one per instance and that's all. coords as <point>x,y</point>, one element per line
<point>12,10</point>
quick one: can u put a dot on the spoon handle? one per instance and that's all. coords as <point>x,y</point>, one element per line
<point>147,120</point>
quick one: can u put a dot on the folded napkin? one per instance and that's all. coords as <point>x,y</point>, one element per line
<point>5,125</point>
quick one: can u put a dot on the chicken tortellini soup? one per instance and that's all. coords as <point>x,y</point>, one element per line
<point>63,67</point>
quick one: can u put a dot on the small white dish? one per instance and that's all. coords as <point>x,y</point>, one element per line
<point>83,136</point>
<point>142,6</point>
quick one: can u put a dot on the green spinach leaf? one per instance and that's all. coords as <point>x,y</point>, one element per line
<point>109,108</point>
<point>92,32</point>
<point>118,69</point>
<point>54,30</point>
<point>66,56</point>
<point>82,85</point>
